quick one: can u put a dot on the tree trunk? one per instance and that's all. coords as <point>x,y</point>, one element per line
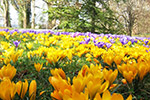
<point>93,17</point>
<point>24,20</point>
<point>8,17</point>
<point>5,19</point>
<point>28,13</point>
<point>6,14</point>
<point>33,14</point>
<point>131,20</point>
<point>24,9</point>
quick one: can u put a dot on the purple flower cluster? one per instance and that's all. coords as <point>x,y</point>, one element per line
<point>124,40</point>
<point>90,36</point>
<point>102,44</point>
<point>86,41</point>
<point>16,43</point>
<point>15,30</point>
<point>148,50</point>
<point>99,44</point>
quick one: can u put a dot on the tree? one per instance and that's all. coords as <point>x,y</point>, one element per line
<point>84,16</point>
<point>24,9</point>
<point>55,10</point>
<point>33,14</point>
<point>98,17</point>
<point>131,13</point>
<point>143,18</point>
<point>4,10</point>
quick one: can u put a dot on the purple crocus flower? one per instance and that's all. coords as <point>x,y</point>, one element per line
<point>100,44</point>
<point>94,41</point>
<point>112,40</point>
<point>6,30</point>
<point>82,42</point>
<point>73,35</point>
<point>108,45</point>
<point>86,41</point>
<point>16,43</point>
<point>94,36</point>
<point>147,46</point>
<point>132,41</point>
<point>146,41</point>
<point>147,50</point>
<point>88,34</point>
<point>124,40</point>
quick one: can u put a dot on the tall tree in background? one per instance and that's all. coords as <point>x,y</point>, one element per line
<point>132,14</point>
<point>51,21</point>
<point>98,17</point>
<point>143,17</point>
<point>55,10</point>
<point>24,9</point>
<point>4,10</point>
<point>33,14</point>
<point>85,16</point>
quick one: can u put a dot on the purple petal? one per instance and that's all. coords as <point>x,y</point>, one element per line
<point>108,45</point>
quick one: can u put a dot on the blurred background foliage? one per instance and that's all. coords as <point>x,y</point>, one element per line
<point>129,17</point>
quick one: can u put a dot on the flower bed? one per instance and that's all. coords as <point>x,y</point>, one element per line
<point>73,66</point>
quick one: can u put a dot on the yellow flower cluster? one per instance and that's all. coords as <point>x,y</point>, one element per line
<point>8,89</point>
<point>89,83</point>
<point>112,59</point>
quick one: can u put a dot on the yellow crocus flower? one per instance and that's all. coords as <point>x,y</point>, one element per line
<point>14,57</point>
<point>7,60</point>
<point>7,37</point>
<point>107,96</point>
<point>55,95</point>
<point>118,59</point>
<point>76,96</point>
<point>61,86</point>
<point>5,45</point>
<point>24,39</point>
<point>69,55</point>
<point>95,84</point>
<point>38,66</point>
<point>110,75</point>
<point>88,55</point>
<point>29,45</point>
<point>8,89</point>
<point>32,90</point>
<point>53,59</point>
<point>78,83</point>
<point>58,72</point>
<point>108,57</point>
<point>7,71</point>
<point>88,59</point>
<point>22,88</point>
<point>143,69</point>
<point>129,71</point>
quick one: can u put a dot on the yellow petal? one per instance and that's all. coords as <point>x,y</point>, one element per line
<point>42,92</point>
<point>116,96</point>
<point>24,88</point>
<point>55,95</point>
<point>104,87</point>
<point>130,97</point>
<point>32,90</point>
<point>18,85</point>
<point>97,97</point>
<point>106,95</point>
